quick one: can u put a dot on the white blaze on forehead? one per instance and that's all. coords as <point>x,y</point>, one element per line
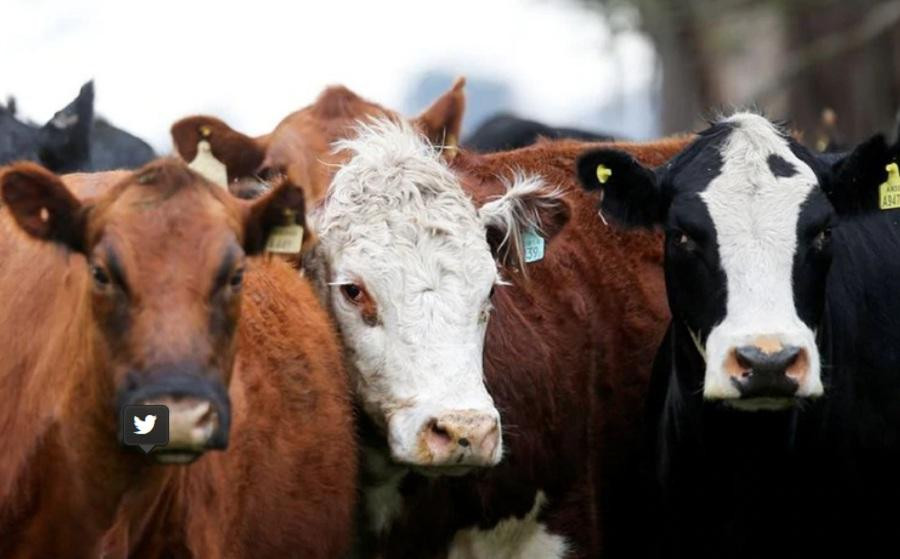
<point>397,221</point>
<point>755,216</point>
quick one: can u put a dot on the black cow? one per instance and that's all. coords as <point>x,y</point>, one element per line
<point>505,132</point>
<point>751,461</point>
<point>73,140</point>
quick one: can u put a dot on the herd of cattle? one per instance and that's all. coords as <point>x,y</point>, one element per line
<point>401,347</point>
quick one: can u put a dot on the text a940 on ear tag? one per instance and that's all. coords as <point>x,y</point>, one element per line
<point>533,246</point>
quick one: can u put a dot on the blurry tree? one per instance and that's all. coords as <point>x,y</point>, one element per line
<point>794,59</point>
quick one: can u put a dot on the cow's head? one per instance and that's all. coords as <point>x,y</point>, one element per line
<point>165,253</point>
<point>412,269</point>
<point>300,146</point>
<point>748,222</point>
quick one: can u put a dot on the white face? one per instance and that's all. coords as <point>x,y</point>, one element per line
<point>410,283</point>
<point>755,214</point>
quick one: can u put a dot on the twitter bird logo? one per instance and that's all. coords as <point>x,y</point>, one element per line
<point>144,426</point>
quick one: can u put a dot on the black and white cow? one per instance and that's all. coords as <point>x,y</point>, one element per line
<point>746,450</point>
<point>73,140</point>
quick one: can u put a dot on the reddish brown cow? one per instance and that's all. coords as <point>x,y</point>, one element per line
<point>566,360</point>
<point>145,293</point>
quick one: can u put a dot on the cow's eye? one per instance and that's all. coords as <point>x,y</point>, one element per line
<point>683,241</point>
<point>101,278</point>
<point>823,239</point>
<point>237,279</point>
<point>352,292</point>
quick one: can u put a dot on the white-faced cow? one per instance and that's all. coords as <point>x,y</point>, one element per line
<point>740,426</point>
<point>447,329</point>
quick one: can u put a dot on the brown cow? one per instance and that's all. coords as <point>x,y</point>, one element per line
<point>583,321</point>
<point>145,293</point>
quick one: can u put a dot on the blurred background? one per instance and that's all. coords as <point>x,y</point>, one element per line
<point>630,68</point>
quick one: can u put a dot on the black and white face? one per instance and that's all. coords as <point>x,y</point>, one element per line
<point>747,251</point>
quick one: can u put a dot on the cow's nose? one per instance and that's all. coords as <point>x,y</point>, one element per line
<point>462,438</point>
<point>194,425</point>
<point>766,371</point>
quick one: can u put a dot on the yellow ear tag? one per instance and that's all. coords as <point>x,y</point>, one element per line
<point>603,173</point>
<point>206,164</point>
<point>287,238</point>
<point>889,191</point>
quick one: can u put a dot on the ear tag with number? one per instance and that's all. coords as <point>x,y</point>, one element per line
<point>603,173</point>
<point>287,238</point>
<point>889,191</point>
<point>206,164</point>
<point>533,246</point>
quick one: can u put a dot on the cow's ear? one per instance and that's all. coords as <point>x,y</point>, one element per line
<point>242,155</point>
<point>442,121</point>
<point>277,222</point>
<point>519,223</point>
<point>853,184</point>
<point>65,140</point>
<point>42,205</point>
<point>631,192</point>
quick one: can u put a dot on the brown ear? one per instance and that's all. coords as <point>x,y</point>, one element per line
<point>42,205</point>
<point>241,154</point>
<point>283,205</point>
<point>442,121</point>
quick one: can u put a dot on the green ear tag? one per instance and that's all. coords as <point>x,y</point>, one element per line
<point>287,238</point>
<point>533,245</point>
<point>889,191</point>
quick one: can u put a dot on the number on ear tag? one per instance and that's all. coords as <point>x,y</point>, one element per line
<point>889,191</point>
<point>285,239</point>
<point>533,245</point>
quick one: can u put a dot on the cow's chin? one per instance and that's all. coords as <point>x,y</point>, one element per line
<point>441,471</point>
<point>165,456</point>
<point>761,403</point>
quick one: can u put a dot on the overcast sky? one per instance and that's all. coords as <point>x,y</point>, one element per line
<point>253,62</point>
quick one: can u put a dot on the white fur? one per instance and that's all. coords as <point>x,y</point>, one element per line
<point>512,538</point>
<point>755,215</point>
<point>397,221</point>
<point>516,211</point>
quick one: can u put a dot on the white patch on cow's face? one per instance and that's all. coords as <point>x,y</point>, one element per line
<point>755,216</point>
<point>512,538</point>
<point>397,223</point>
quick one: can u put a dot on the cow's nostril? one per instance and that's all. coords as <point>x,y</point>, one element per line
<point>439,432</point>
<point>744,362</point>
<point>463,442</point>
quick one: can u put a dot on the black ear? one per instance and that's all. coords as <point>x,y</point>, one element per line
<point>66,138</point>
<point>631,192</point>
<point>853,186</point>
<point>42,206</point>
<point>283,205</point>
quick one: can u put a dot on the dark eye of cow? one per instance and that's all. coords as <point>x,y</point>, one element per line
<point>352,292</point>
<point>823,239</point>
<point>101,278</point>
<point>237,278</point>
<point>682,240</point>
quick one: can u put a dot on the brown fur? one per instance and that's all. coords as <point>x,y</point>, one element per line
<point>285,486</point>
